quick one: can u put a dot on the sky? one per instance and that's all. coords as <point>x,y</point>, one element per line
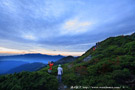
<point>66,27</point>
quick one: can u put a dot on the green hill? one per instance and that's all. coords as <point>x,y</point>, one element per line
<point>112,64</point>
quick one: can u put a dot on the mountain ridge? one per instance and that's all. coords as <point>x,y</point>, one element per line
<point>33,56</point>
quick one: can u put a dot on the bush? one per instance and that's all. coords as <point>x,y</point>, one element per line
<point>29,81</point>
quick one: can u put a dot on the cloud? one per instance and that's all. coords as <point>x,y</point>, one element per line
<point>6,49</point>
<point>62,25</point>
<point>75,26</point>
<point>29,37</point>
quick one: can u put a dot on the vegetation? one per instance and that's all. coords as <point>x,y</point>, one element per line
<point>112,64</point>
<point>28,81</point>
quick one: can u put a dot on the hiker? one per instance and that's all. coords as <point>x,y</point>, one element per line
<point>50,66</point>
<point>94,49</point>
<point>97,44</point>
<point>60,72</point>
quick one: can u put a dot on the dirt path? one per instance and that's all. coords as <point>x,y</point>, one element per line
<point>63,87</point>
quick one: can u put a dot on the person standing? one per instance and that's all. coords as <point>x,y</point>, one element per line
<point>60,72</point>
<point>50,66</point>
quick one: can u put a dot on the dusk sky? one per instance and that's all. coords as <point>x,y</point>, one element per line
<point>66,27</point>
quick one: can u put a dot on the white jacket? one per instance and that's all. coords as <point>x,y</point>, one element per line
<point>60,71</point>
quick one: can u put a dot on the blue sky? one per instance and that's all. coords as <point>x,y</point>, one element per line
<point>67,27</point>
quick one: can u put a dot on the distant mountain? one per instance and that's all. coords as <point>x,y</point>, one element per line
<point>7,65</point>
<point>27,67</point>
<point>11,62</point>
<point>36,57</point>
<point>65,60</point>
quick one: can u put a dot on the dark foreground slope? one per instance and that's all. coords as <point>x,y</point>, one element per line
<point>112,64</point>
<point>28,81</point>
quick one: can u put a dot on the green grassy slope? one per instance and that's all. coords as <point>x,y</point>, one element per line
<point>28,81</point>
<point>112,64</point>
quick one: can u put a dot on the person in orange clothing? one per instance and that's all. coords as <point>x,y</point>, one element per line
<point>50,66</point>
<point>94,49</point>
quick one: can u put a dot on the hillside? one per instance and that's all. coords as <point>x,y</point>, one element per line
<point>111,64</point>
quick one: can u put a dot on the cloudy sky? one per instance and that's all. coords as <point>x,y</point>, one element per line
<point>67,27</point>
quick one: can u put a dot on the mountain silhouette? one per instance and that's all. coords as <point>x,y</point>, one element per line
<point>36,56</point>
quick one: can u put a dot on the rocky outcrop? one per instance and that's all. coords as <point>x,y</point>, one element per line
<point>87,58</point>
<point>65,60</point>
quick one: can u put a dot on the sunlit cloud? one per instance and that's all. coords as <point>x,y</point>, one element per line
<point>4,50</point>
<point>75,26</point>
<point>37,50</point>
<point>29,37</point>
<point>7,49</point>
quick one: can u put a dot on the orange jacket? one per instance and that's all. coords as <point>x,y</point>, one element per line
<point>50,66</point>
<point>94,49</point>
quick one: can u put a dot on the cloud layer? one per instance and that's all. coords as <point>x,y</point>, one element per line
<point>62,26</point>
